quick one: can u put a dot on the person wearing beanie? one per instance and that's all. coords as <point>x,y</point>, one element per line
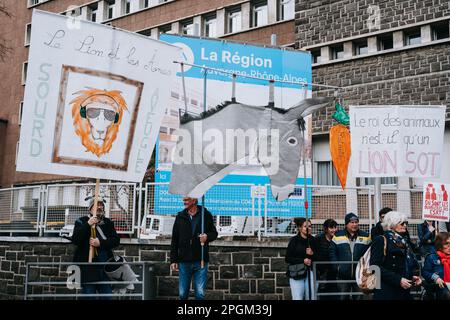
<point>349,244</point>
<point>105,240</point>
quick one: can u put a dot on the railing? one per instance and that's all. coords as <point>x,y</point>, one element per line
<point>148,210</point>
<point>415,291</point>
<point>62,280</point>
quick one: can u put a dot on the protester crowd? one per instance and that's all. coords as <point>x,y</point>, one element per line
<point>405,266</point>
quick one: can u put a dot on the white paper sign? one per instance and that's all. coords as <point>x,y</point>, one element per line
<point>392,141</point>
<point>94,99</point>
<point>435,201</point>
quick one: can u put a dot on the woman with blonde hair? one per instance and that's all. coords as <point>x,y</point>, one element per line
<point>393,254</point>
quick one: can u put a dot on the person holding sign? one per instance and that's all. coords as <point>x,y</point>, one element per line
<point>436,269</point>
<point>106,239</point>
<point>186,247</point>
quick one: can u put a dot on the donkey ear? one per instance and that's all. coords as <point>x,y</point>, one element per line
<point>307,106</point>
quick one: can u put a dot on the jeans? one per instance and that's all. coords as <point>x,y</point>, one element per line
<point>186,271</point>
<point>299,288</point>
<point>350,287</point>
<point>98,288</point>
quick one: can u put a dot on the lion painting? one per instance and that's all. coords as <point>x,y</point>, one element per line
<point>97,115</point>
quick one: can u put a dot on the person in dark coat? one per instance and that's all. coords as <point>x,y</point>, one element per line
<point>377,230</point>
<point>436,269</point>
<point>106,239</point>
<point>348,245</point>
<point>427,234</point>
<point>398,265</point>
<point>324,271</point>
<point>302,249</point>
<point>186,248</point>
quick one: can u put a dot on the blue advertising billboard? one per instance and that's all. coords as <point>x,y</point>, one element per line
<point>245,61</point>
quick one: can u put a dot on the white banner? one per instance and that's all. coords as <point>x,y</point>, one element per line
<point>435,201</point>
<point>94,99</point>
<point>392,141</point>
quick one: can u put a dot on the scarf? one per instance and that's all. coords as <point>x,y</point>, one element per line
<point>446,263</point>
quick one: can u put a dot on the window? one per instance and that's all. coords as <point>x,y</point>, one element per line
<point>384,180</point>
<point>92,12</point>
<point>234,23</point>
<point>286,9</point>
<point>326,175</point>
<point>32,2</point>
<point>210,26</point>
<point>385,42</point>
<point>24,72</point>
<point>20,112</point>
<point>360,47</point>
<point>145,4</point>
<point>127,6</point>
<point>412,37</point>
<point>111,9</point>
<point>315,56</point>
<point>27,34</point>
<point>337,52</point>
<point>187,27</point>
<point>165,29</point>
<point>259,13</point>
<point>163,130</point>
<point>440,31</point>
<point>146,32</point>
<point>74,13</point>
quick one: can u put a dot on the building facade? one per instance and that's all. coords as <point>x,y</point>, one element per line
<point>381,53</point>
<point>246,21</point>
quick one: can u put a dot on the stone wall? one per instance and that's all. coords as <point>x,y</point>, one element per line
<point>319,21</point>
<point>238,269</point>
<point>419,76</point>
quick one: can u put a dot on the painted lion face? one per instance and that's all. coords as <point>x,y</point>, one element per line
<point>97,115</point>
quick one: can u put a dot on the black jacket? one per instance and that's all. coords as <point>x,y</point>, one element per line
<point>376,231</point>
<point>398,263</point>
<point>185,246</point>
<point>296,250</point>
<point>81,236</point>
<point>323,252</point>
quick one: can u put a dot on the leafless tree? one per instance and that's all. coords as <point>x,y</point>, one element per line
<point>4,48</point>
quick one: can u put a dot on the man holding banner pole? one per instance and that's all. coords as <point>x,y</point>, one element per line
<point>188,242</point>
<point>104,241</point>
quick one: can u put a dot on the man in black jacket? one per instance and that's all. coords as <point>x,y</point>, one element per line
<point>105,240</point>
<point>186,247</point>
<point>324,272</point>
<point>377,230</point>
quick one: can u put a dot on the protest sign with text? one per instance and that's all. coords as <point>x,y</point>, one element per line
<point>94,99</point>
<point>435,201</point>
<point>393,141</point>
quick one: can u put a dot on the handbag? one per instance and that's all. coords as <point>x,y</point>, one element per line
<point>120,272</point>
<point>296,271</point>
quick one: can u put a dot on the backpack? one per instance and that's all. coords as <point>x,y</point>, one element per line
<point>365,279</point>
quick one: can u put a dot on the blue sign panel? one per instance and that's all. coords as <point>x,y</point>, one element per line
<point>234,198</point>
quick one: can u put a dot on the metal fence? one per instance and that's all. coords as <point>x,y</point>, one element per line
<point>148,210</point>
<point>325,289</point>
<point>62,281</point>
<point>20,209</point>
